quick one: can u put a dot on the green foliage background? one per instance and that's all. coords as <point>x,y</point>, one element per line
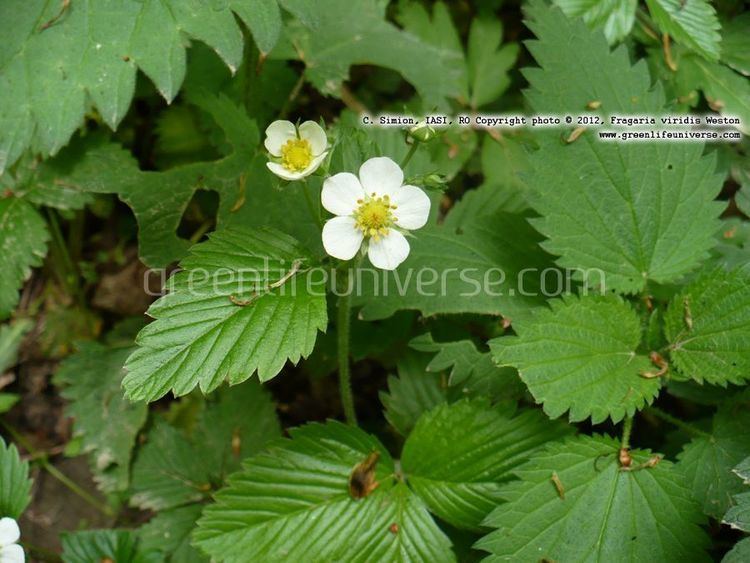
<point>601,424</point>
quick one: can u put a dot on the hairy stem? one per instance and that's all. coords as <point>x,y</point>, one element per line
<point>627,429</point>
<point>409,154</point>
<point>343,327</point>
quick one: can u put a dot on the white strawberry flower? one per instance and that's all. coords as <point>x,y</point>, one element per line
<point>373,208</point>
<point>10,551</point>
<point>296,152</point>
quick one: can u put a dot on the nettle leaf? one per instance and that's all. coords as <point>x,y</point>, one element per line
<point>708,461</point>
<point>15,485</point>
<point>574,503</point>
<point>169,532</point>
<point>173,469</point>
<point>329,49</point>
<point>312,515</point>
<point>691,22</point>
<point>581,356</point>
<point>633,212</point>
<point>493,267</point>
<point>488,63</point>
<point>708,328</point>
<point>458,456</point>
<point>23,245</point>
<point>121,546</point>
<point>726,91</point>
<point>738,516</point>
<point>614,17</point>
<point>412,393</point>
<point>105,420</point>
<point>241,305</point>
<point>88,53</point>
<point>735,43</point>
<point>159,199</point>
<point>471,370</point>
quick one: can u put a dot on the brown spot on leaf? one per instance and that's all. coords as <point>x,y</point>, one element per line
<point>362,479</point>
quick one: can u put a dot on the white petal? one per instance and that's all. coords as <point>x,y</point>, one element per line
<point>341,238</point>
<point>381,175</point>
<point>12,554</point>
<point>277,134</point>
<point>340,193</point>
<point>282,172</point>
<point>412,207</point>
<point>388,252</point>
<point>315,134</point>
<point>9,531</point>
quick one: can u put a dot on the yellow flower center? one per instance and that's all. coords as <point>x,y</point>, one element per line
<point>296,155</point>
<point>374,216</point>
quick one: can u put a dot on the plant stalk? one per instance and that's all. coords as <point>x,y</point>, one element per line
<point>311,205</point>
<point>409,154</point>
<point>343,327</point>
<point>674,421</point>
<point>627,429</point>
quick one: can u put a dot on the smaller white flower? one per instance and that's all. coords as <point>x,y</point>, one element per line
<point>296,151</point>
<point>10,551</point>
<point>374,208</point>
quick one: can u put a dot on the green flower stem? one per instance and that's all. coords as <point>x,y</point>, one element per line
<point>627,429</point>
<point>41,458</point>
<point>674,421</point>
<point>311,205</point>
<point>343,328</point>
<point>408,156</point>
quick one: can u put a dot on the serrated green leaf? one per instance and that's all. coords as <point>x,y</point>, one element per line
<point>488,63</point>
<point>329,49</point>
<point>633,212</point>
<point>458,456</point>
<point>40,182</point>
<point>581,356</point>
<point>726,91</point>
<point>708,461</point>
<point>105,420</point>
<point>738,516</point>
<point>492,267</point>
<point>733,248</point>
<point>169,532</point>
<point>412,393</point>
<point>159,199</point>
<point>23,245</point>
<point>121,546</point>
<point>173,469</point>
<point>708,328</point>
<point>690,22</point>
<point>740,553</point>
<point>471,370</point>
<point>614,17</point>
<point>606,515</point>
<point>11,336</point>
<point>742,198</point>
<point>735,43</point>
<point>241,304</point>
<point>15,485</point>
<point>311,516</point>
<point>90,52</point>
